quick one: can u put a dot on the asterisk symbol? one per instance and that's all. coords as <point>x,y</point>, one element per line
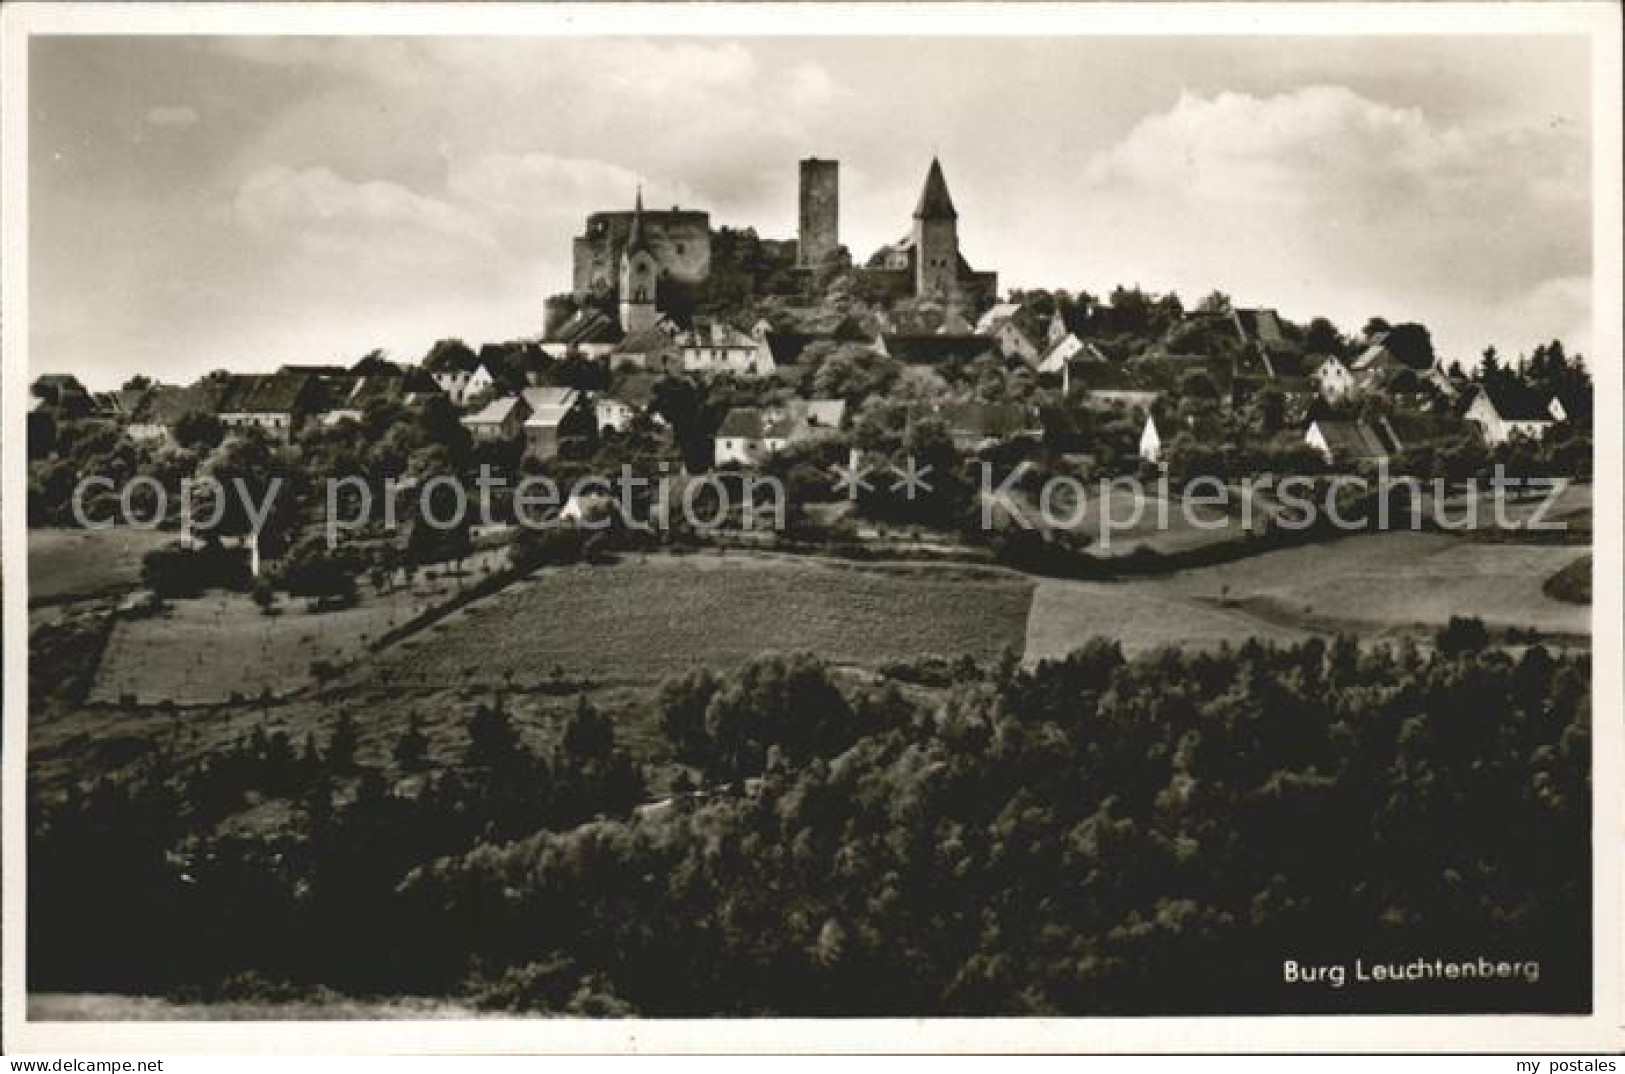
<point>852,478</point>
<point>913,477</point>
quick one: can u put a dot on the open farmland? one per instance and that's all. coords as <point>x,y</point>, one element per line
<point>1378,585</point>
<point>641,620</point>
<point>204,650</point>
<point>64,564</point>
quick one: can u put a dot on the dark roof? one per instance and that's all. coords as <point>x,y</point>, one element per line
<point>1514,402</point>
<point>935,204</point>
<point>635,389</point>
<point>924,349</point>
<point>587,326</point>
<point>264,393</point>
<point>1410,429</point>
<point>1352,440</point>
<point>1120,377</point>
<point>336,392</point>
<point>1260,326</point>
<point>164,404</point>
<point>988,420</point>
<point>313,370</point>
<point>645,341</point>
<point>757,423</point>
<point>786,347</point>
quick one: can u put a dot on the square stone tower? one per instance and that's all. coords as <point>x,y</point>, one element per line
<point>819,236</point>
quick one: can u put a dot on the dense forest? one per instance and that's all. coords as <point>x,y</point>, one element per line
<point>1099,835</point>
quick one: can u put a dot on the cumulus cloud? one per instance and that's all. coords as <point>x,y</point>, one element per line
<point>1323,197</point>
<point>318,201</point>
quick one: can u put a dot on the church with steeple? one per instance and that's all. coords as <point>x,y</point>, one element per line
<point>639,277</point>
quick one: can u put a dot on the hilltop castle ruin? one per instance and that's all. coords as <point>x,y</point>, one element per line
<point>671,251</point>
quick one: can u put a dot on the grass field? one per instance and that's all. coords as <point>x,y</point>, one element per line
<point>202,651</point>
<point>640,621</point>
<point>1377,585</point>
<point>64,564</point>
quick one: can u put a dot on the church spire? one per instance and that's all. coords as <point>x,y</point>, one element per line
<point>935,204</point>
<point>635,238</point>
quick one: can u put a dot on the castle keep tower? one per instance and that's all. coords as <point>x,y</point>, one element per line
<point>819,235</point>
<point>936,239</point>
<point>640,275</point>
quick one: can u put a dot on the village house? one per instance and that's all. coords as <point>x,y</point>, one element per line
<point>718,347</point>
<point>274,403</point>
<point>1504,411</point>
<point>346,398</point>
<point>975,426</point>
<point>1016,342</point>
<point>118,406</point>
<point>1377,358</point>
<point>647,348</point>
<point>460,374</point>
<point>750,434</point>
<point>1260,328</point>
<point>612,413</point>
<point>933,349</point>
<point>631,398</point>
<point>998,313</point>
<point>1331,377</point>
<point>1110,384</point>
<point>1159,432</point>
<point>153,418</point>
<point>1408,429</point>
<point>1346,442</point>
<point>555,413</point>
<point>588,333</point>
<point>499,420</point>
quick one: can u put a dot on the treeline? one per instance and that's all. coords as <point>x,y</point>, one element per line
<point>1099,835</point>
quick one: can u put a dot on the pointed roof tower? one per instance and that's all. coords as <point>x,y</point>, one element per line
<point>635,239</point>
<point>935,204</point>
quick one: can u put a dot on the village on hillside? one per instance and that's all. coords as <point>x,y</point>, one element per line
<point>726,351</point>
<point>876,756</point>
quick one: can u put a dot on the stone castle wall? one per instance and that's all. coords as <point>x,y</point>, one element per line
<point>679,240</point>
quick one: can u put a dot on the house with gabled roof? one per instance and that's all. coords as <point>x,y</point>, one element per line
<point>274,403</point>
<point>588,333</point>
<point>998,313</point>
<point>748,435</point>
<point>974,425</point>
<point>1259,327</point>
<point>716,346</point>
<point>501,419</point>
<point>459,373</point>
<point>1503,411</point>
<point>647,348</point>
<point>555,412</point>
<point>933,349</point>
<point>1160,431</point>
<point>1331,377</point>
<point>1345,441</point>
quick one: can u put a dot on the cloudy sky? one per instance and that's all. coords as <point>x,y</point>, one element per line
<point>243,202</point>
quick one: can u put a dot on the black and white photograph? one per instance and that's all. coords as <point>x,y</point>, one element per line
<point>713,517</point>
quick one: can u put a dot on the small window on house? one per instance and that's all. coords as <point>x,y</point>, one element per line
<point>679,248</point>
